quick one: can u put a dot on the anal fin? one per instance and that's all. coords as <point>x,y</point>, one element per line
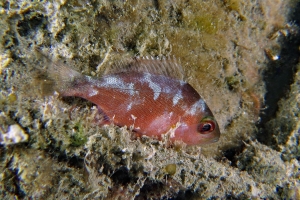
<point>101,118</point>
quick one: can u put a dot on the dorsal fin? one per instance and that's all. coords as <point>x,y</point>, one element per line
<point>169,66</point>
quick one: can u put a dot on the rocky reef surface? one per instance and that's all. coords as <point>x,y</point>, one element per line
<point>242,57</point>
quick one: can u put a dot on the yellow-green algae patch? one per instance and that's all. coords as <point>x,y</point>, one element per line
<point>220,45</point>
<point>79,137</point>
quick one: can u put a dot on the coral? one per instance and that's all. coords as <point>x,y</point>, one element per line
<point>222,46</point>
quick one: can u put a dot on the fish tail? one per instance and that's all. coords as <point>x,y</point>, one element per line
<point>57,77</point>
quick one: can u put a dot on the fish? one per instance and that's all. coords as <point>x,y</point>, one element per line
<point>144,97</point>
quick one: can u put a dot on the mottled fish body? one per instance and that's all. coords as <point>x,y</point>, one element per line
<point>152,104</point>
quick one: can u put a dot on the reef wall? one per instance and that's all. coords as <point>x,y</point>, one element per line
<point>52,148</point>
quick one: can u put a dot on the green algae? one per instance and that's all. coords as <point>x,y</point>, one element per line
<point>208,23</point>
<point>232,82</point>
<point>12,98</point>
<point>79,138</point>
<point>171,169</point>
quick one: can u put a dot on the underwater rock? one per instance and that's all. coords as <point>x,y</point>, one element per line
<point>222,47</point>
<point>14,135</point>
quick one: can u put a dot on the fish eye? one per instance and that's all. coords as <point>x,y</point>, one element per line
<point>206,126</point>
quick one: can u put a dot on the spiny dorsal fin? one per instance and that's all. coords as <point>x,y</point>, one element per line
<point>169,66</point>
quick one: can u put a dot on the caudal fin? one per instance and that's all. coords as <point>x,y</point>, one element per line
<point>56,76</point>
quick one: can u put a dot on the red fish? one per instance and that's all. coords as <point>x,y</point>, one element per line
<point>152,103</point>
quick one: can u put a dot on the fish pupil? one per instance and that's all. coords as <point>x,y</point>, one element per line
<point>206,127</point>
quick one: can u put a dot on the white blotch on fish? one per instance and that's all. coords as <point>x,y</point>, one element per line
<point>116,83</point>
<point>199,106</point>
<point>93,92</point>
<point>155,87</point>
<point>129,106</point>
<point>178,96</point>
